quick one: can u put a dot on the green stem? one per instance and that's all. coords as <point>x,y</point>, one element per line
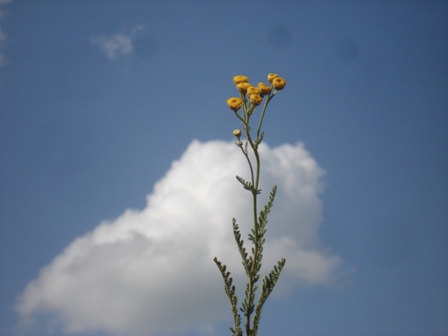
<point>250,166</point>
<point>270,96</point>
<point>252,274</point>
<point>256,240</point>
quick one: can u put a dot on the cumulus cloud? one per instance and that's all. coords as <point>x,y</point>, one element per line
<point>151,270</point>
<point>2,34</point>
<point>116,45</point>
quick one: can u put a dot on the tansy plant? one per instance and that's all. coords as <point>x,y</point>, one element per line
<point>244,108</point>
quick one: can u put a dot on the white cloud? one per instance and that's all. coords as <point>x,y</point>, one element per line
<point>2,34</point>
<point>151,270</point>
<point>116,45</point>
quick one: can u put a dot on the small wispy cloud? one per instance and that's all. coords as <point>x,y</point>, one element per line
<point>151,270</point>
<point>117,45</point>
<point>2,34</point>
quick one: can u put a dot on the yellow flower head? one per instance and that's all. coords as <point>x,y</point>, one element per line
<point>264,89</point>
<point>255,99</point>
<point>242,87</point>
<point>278,83</point>
<point>240,79</point>
<point>252,90</point>
<point>271,76</point>
<point>234,103</point>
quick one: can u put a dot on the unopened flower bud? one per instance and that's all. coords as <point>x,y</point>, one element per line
<point>237,133</point>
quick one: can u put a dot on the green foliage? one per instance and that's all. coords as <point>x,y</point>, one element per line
<point>251,262</point>
<point>267,287</point>
<point>247,185</point>
<point>230,291</point>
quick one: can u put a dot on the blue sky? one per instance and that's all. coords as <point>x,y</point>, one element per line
<point>117,165</point>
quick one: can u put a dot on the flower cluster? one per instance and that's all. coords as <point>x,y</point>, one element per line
<point>254,94</point>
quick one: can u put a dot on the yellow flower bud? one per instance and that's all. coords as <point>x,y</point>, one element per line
<point>234,103</point>
<point>242,87</point>
<point>264,89</point>
<point>237,133</point>
<point>278,83</point>
<point>240,79</point>
<point>252,90</point>
<point>255,99</point>
<point>271,76</point>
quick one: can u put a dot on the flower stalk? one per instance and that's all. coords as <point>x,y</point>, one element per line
<point>244,107</point>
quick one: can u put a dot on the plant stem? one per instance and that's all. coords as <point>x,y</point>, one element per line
<point>256,234</point>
